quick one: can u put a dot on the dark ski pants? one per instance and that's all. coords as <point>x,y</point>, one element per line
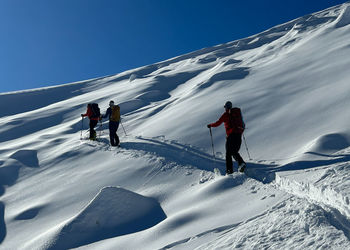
<point>113,127</point>
<point>92,125</point>
<point>233,144</point>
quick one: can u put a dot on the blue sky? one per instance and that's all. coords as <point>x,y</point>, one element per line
<point>51,42</point>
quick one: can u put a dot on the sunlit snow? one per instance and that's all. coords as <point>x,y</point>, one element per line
<point>158,190</point>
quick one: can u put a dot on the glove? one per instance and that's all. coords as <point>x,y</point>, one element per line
<point>209,126</point>
<point>82,115</point>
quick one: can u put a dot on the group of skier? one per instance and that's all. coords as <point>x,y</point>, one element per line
<point>232,119</point>
<point>113,114</point>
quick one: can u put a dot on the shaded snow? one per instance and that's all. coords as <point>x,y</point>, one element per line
<point>158,191</point>
<point>344,18</point>
<point>113,212</point>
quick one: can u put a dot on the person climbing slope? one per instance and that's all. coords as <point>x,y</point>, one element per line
<point>113,113</point>
<point>93,112</point>
<point>234,125</point>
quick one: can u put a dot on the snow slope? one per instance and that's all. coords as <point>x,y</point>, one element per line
<point>158,191</point>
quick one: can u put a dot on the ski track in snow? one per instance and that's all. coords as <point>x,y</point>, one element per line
<point>330,204</point>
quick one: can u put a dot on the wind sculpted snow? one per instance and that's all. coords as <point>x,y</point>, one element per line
<point>113,212</point>
<point>158,190</point>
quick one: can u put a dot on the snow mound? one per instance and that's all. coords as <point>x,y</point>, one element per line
<point>113,212</point>
<point>9,170</point>
<point>153,96</point>
<point>132,77</point>
<point>29,213</point>
<point>27,157</point>
<point>207,59</point>
<point>222,184</point>
<point>131,105</point>
<point>344,18</point>
<point>329,143</point>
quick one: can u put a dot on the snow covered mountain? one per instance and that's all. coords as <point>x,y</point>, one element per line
<point>158,191</point>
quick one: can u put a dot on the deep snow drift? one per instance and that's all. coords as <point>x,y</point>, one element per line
<point>158,191</point>
<point>113,212</point>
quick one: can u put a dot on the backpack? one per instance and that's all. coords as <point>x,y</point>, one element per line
<point>95,110</point>
<point>115,115</point>
<point>236,122</point>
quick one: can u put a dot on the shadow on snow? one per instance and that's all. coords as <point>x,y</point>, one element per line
<point>184,155</point>
<point>9,173</point>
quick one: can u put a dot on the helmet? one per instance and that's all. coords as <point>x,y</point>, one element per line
<point>228,105</point>
<point>111,103</point>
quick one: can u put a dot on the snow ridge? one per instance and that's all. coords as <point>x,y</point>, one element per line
<point>318,192</point>
<point>320,189</point>
<point>344,17</point>
<point>292,84</point>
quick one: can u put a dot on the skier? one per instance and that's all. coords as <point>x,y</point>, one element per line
<point>234,125</point>
<point>113,113</point>
<point>93,112</point>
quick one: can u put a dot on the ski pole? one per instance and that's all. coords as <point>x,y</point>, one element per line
<point>245,143</point>
<point>123,127</point>
<point>100,134</point>
<point>81,130</point>
<point>212,145</point>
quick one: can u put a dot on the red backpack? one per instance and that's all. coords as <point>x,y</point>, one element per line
<point>95,110</point>
<point>236,120</point>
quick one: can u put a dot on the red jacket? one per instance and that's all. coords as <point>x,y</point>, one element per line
<point>236,125</point>
<point>89,114</point>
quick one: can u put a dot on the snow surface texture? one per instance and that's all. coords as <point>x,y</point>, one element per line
<point>113,212</point>
<point>158,190</point>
